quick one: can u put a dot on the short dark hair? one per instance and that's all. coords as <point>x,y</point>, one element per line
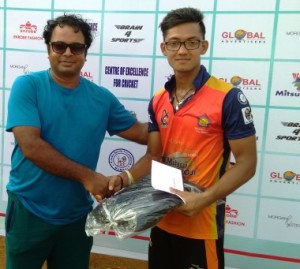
<point>75,21</point>
<point>182,15</point>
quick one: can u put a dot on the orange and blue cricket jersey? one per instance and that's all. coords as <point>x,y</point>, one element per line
<point>195,140</point>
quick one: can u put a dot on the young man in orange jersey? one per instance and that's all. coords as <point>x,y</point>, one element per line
<point>196,121</point>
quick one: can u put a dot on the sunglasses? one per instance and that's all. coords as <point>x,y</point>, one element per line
<point>60,47</point>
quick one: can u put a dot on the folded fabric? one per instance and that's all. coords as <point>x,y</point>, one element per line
<point>131,210</point>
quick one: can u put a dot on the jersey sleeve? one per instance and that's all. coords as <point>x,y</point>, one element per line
<point>152,124</point>
<point>22,104</point>
<point>237,117</point>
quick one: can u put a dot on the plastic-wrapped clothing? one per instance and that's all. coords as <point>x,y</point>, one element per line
<point>131,210</point>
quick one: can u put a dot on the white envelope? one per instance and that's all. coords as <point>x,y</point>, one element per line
<point>163,177</point>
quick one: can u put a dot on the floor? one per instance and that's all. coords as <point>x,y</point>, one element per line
<point>98,261</point>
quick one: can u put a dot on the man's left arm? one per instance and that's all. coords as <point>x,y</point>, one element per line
<point>245,153</point>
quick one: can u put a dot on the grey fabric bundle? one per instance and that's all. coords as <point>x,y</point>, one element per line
<point>132,210</point>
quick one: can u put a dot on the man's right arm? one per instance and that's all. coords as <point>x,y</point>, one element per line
<point>42,154</point>
<point>138,133</point>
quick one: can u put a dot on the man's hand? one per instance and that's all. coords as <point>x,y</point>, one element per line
<point>193,202</point>
<point>97,185</point>
<point>116,183</point>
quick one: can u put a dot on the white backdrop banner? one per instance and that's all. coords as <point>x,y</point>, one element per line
<point>254,45</point>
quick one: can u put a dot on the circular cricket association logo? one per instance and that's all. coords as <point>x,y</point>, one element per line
<point>121,159</point>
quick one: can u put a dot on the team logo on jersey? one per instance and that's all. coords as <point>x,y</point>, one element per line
<point>203,121</point>
<point>121,159</point>
<point>247,115</point>
<point>164,120</point>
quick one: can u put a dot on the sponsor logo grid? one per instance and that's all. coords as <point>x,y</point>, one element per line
<point>254,45</point>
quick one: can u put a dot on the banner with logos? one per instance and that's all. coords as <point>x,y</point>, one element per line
<point>253,44</point>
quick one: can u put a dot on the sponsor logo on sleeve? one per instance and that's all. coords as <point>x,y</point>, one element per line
<point>247,115</point>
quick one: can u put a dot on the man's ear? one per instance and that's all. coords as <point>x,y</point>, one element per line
<point>204,46</point>
<point>163,48</point>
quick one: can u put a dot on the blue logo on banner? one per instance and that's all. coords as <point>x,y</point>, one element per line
<point>121,159</point>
